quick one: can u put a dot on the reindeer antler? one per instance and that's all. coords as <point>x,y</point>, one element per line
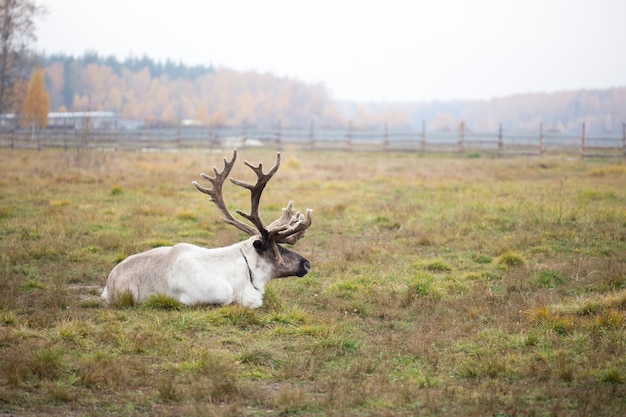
<point>255,194</point>
<point>289,228</point>
<point>216,194</point>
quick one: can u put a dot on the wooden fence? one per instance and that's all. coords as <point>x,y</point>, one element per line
<point>463,141</point>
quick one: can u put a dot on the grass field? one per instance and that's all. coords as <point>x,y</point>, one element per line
<point>440,286</point>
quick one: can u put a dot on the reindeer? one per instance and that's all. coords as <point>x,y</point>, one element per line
<point>233,274</point>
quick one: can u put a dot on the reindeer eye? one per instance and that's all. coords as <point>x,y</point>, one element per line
<point>259,245</point>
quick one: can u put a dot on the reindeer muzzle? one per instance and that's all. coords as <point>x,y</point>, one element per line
<point>305,267</point>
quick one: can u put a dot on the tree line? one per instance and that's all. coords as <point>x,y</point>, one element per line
<point>170,68</point>
<point>602,110</point>
<point>166,93</point>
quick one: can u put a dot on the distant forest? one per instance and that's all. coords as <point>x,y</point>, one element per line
<point>168,92</point>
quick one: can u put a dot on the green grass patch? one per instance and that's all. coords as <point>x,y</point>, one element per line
<point>5,212</point>
<point>123,299</point>
<point>186,215</point>
<point>424,285</point>
<point>116,191</point>
<point>435,265</point>
<point>481,259</point>
<point>511,259</point>
<point>162,302</point>
<point>546,278</point>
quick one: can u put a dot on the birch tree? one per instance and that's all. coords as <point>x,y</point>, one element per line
<point>17,30</point>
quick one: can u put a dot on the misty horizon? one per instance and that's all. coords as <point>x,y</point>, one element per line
<point>143,89</point>
<point>396,52</point>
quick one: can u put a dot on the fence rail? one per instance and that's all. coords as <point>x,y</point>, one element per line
<point>463,141</point>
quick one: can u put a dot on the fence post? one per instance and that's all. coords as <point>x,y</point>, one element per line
<point>624,140</point>
<point>278,127</point>
<point>386,138</point>
<point>37,137</point>
<point>214,140</point>
<point>423,139</point>
<point>116,135</point>
<point>500,141</point>
<point>582,143</point>
<point>243,131</point>
<point>74,137</point>
<point>541,147</point>
<point>312,134</point>
<point>462,137</point>
<point>349,136</point>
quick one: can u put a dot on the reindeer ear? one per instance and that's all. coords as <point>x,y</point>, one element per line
<point>259,245</point>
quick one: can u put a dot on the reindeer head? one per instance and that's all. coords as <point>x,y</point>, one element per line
<point>288,228</point>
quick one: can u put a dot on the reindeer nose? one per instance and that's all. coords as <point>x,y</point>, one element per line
<point>305,267</point>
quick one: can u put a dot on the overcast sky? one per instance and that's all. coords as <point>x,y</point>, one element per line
<point>385,50</point>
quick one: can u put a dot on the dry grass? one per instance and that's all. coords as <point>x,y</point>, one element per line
<point>440,286</point>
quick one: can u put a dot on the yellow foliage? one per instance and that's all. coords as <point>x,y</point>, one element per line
<point>37,103</point>
<point>218,119</point>
<point>203,115</point>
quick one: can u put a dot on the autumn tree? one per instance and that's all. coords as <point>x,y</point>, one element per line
<point>17,29</point>
<point>218,120</point>
<point>202,115</point>
<point>37,103</point>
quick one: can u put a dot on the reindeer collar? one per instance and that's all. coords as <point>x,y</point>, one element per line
<point>249,271</point>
